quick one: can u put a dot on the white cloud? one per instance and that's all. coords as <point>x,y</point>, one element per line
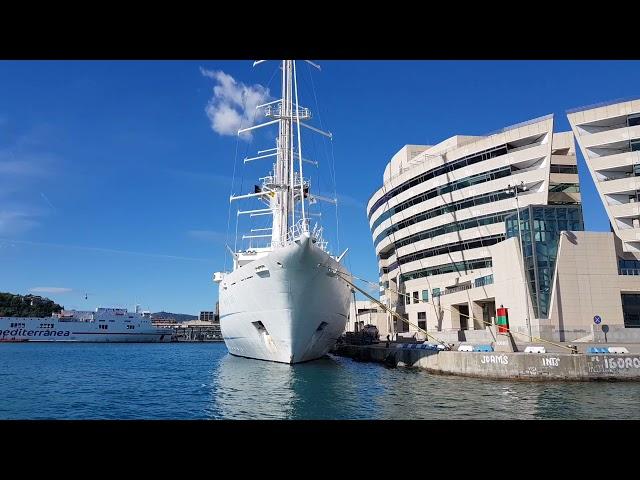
<point>13,242</point>
<point>23,168</point>
<point>19,167</point>
<point>50,290</point>
<point>233,105</point>
<point>16,221</point>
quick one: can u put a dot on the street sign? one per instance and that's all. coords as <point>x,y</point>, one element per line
<point>597,319</point>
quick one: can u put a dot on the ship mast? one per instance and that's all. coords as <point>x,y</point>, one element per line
<point>291,182</point>
<point>286,185</point>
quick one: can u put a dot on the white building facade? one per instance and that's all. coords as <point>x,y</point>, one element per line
<point>609,139</point>
<point>442,208</point>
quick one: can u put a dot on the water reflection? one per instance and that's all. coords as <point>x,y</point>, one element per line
<point>252,389</point>
<point>195,381</point>
<point>339,388</point>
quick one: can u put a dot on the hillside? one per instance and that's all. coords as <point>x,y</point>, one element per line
<point>178,317</point>
<point>13,305</point>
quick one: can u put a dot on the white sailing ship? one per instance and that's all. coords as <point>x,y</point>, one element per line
<point>283,301</point>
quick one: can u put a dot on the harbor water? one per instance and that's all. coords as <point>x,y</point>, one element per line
<point>202,381</point>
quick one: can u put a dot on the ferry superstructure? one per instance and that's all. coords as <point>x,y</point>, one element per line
<point>101,325</point>
<point>285,301</point>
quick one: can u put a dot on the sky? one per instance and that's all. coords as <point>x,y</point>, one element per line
<point>115,176</point>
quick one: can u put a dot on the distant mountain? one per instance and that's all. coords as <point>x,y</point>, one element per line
<point>178,317</point>
<point>12,305</point>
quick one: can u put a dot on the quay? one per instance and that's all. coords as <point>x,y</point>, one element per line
<point>206,328</point>
<point>503,365</point>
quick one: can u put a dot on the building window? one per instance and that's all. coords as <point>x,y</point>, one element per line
<point>541,227</point>
<point>631,310</point>
<point>425,295</point>
<point>564,169</point>
<point>486,280</point>
<point>435,292</point>
<point>422,324</point>
<point>633,120</point>
<point>415,297</point>
<point>422,315</point>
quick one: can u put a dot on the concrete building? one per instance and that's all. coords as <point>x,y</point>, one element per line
<point>207,316</point>
<point>609,138</point>
<point>445,228</point>
<point>366,312</point>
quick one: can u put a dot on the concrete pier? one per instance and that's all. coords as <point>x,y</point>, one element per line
<point>503,365</point>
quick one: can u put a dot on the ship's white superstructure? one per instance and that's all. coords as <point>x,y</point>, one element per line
<point>101,325</point>
<point>283,301</point>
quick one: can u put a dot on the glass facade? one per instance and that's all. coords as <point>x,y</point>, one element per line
<point>442,210</point>
<point>628,267</point>
<point>441,170</point>
<point>441,190</point>
<point>444,249</point>
<point>541,226</point>
<point>460,267</point>
<point>631,310</point>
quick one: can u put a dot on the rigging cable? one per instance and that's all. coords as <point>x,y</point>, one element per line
<point>444,308</point>
<point>332,165</point>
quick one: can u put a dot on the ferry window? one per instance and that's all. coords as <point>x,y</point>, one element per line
<point>415,297</point>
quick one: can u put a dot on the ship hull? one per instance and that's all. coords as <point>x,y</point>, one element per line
<point>284,307</point>
<point>51,329</point>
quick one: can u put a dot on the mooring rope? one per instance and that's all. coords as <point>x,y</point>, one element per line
<point>422,301</point>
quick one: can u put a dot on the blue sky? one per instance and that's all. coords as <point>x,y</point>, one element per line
<point>114,181</point>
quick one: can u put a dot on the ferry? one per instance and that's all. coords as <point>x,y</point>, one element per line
<point>101,325</point>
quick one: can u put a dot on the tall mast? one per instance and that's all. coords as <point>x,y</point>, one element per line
<point>286,186</point>
<point>283,203</point>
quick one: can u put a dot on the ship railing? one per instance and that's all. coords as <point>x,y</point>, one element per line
<point>297,229</point>
<point>275,111</point>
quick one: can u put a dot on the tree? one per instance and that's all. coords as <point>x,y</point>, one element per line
<point>13,305</point>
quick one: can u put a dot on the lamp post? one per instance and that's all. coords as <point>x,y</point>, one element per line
<point>514,189</point>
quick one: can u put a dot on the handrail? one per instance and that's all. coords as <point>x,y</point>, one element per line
<point>602,104</point>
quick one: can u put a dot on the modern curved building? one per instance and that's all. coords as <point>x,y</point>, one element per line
<point>441,209</point>
<point>609,137</point>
